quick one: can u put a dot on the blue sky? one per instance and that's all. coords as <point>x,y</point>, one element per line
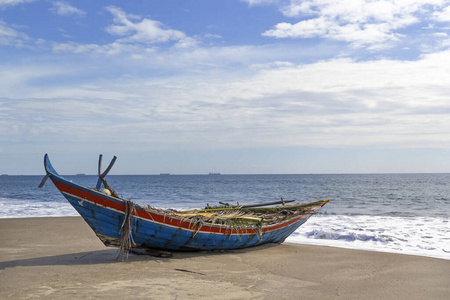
<point>254,86</point>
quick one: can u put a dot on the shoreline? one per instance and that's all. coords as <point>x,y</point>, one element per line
<point>60,257</point>
<point>319,243</point>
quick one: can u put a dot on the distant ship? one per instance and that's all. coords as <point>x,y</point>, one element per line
<point>4,174</point>
<point>214,174</point>
<point>80,174</point>
<point>164,174</point>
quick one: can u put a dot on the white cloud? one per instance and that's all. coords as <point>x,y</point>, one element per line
<point>440,34</point>
<point>114,48</point>
<point>65,9</point>
<point>9,36</point>
<point>442,16</point>
<point>135,35</point>
<point>374,24</point>
<point>259,2</point>
<point>144,31</point>
<point>5,3</point>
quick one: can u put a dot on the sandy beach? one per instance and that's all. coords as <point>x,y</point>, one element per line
<point>61,258</point>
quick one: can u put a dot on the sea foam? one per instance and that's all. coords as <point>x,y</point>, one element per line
<point>422,236</point>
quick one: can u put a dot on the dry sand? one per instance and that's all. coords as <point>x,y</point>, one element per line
<point>61,258</point>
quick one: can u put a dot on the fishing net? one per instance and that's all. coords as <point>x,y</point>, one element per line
<point>126,235</point>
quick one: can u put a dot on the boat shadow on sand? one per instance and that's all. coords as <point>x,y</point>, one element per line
<point>109,256</point>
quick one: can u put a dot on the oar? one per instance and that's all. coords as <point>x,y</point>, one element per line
<point>259,204</point>
<point>303,205</point>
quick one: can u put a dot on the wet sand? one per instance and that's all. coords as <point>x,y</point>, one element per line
<point>61,258</point>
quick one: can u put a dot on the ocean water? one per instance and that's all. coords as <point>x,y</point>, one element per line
<point>399,213</point>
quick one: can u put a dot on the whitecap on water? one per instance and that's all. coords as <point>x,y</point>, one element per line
<point>405,235</point>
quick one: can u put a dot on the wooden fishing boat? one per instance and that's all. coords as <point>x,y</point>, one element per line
<point>122,223</point>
